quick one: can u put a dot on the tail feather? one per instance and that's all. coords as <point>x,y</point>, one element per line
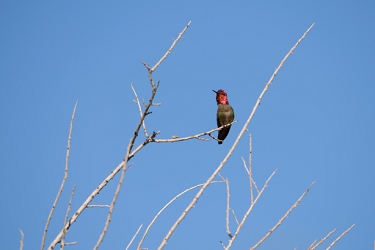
<point>223,134</point>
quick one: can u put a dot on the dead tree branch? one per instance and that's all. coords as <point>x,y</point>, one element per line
<point>312,247</point>
<point>135,235</point>
<point>112,207</point>
<point>21,240</point>
<point>339,238</point>
<point>131,145</point>
<point>161,210</point>
<point>231,240</point>
<point>282,218</point>
<point>62,244</point>
<point>63,181</point>
<point>203,188</point>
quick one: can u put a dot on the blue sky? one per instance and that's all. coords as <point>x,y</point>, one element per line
<point>316,122</point>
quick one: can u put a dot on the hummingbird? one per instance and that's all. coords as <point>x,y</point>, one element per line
<point>224,115</point>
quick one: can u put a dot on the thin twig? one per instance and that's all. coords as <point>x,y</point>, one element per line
<point>171,48</point>
<point>70,243</point>
<point>235,217</point>
<point>251,169</point>
<point>22,239</point>
<point>283,218</point>
<point>135,235</point>
<point>118,189</point>
<point>63,181</point>
<point>197,136</point>
<point>213,137</point>
<point>338,238</point>
<point>203,188</point>
<point>312,246</point>
<point>227,210</point>
<point>231,240</point>
<point>248,173</point>
<point>62,243</point>
<point>161,210</point>
<point>140,110</point>
<point>228,202</point>
<point>100,206</point>
<point>245,166</point>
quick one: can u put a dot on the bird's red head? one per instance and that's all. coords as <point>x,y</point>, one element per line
<point>221,96</point>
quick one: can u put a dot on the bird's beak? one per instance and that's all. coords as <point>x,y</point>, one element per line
<point>214,91</point>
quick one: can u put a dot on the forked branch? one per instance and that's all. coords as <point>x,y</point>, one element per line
<point>312,247</point>
<point>203,188</point>
<point>161,210</point>
<point>130,146</point>
<point>197,136</point>
<point>171,48</point>
<point>283,218</point>
<point>112,207</point>
<point>62,244</point>
<point>135,235</point>
<point>63,181</point>
<point>339,238</point>
<point>231,240</point>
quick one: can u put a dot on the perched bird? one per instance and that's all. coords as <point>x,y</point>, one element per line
<point>224,115</point>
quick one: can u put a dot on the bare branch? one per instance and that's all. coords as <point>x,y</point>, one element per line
<point>63,181</point>
<point>140,146</point>
<point>158,214</point>
<point>87,202</point>
<point>135,235</point>
<point>203,188</point>
<point>245,166</point>
<point>197,136</point>
<point>213,137</point>
<point>228,202</point>
<point>251,169</point>
<point>283,218</point>
<point>22,239</point>
<point>109,217</point>
<point>62,244</point>
<point>286,57</point>
<point>249,174</point>
<point>147,66</point>
<point>321,241</point>
<point>120,166</point>
<point>248,212</point>
<point>171,48</point>
<point>312,244</point>
<point>227,210</point>
<point>338,238</point>
<point>251,180</point>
